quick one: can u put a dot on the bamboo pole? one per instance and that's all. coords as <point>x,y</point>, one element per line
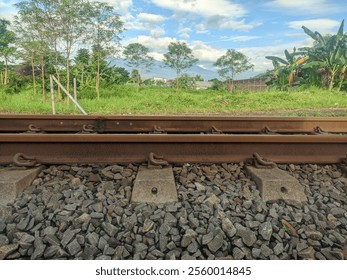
<point>70,96</point>
<point>52,94</point>
<point>75,89</point>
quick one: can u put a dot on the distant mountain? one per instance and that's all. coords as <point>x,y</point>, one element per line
<point>160,70</point>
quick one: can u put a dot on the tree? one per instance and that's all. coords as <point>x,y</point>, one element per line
<point>135,76</point>
<point>33,44</point>
<point>82,61</point>
<point>329,53</point>
<point>73,17</point>
<point>37,21</point>
<point>137,57</point>
<point>285,70</point>
<point>7,38</point>
<point>106,27</point>
<point>232,63</point>
<point>34,53</point>
<point>62,24</point>
<point>116,75</point>
<point>198,78</point>
<point>179,57</point>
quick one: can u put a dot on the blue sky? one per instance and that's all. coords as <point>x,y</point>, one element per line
<point>210,27</point>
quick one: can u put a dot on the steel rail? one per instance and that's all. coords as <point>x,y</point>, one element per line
<point>131,148</point>
<point>170,124</point>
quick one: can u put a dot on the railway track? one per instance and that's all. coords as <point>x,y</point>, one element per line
<point>89,211</point>
<point>169,124</point>
<point>131,139</point>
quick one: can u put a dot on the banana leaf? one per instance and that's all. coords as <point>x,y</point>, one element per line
<point>278,59</point>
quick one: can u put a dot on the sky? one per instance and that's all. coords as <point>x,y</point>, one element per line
<point>211,27</point>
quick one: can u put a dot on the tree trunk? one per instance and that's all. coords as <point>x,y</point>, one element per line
<point>56,66</point>
<point>68,77</point>
<point>6,72</point>
<point>229,86</point>
<point>82,76</point>
<point>138,80</point>
<point>97,84</point>
<point>342,77</point>
<point>33,73</point>
<point>332,79</point>
<point>232,82</point>
<point>43,78</point>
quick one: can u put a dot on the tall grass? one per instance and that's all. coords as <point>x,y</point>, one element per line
<point>156,100</point>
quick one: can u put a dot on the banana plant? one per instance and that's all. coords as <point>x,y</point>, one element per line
<point>285,70</point>
<point>329,53</point>
<point>342,74</point>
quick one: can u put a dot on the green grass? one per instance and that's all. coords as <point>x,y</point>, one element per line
<point>152,100</point>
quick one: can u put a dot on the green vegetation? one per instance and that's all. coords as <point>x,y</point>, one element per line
<point>323,65</point>
<point>137,57</point>
<point>230,64</point>
<point>156,100</point>
<point>179,57</point>
<point>43,40</point>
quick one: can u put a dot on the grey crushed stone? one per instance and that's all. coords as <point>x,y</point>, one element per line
<point>84,212</point>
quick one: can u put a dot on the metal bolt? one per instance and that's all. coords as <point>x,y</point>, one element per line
<point>284,190</point>
<point>154,191</point>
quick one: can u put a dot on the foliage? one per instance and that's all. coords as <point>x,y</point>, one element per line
<point>232,63</point>
<point>324,64</point>
<point>287,70</point>
<point>61,25</point>
<point>7,38</point>
<point>85,67</point>
<point>106,27</point>
<point>123,99</point>
<point>45,34</point>
<point>187,82</point>
<point>137,56</point>
<point>217,85</point>
<point>330,54</point>
<point>116,76</point>
<point>179,57</point>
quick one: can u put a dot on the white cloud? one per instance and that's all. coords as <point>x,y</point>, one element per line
<point>7,10</point>
<point>147,22</point>
<point>206,53</point>
<point>311,7</point>
<point>238,39</point>
<point>157,32</point>
<point>203,8</point>
<point>223,22</point>
<point>321,25</point>
<point>220,14</point>
<point>156,46</point>
<point>257,54</point>
<point>184,32</point>
<point>159,46</point>
<point>201,29</point>
<point>7,4</point>
<point>294,35</point>
<point>153,18</point>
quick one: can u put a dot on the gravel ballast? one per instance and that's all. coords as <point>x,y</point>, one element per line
<point>84,212</point>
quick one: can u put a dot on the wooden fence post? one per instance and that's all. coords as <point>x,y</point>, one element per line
<point>52,94</point>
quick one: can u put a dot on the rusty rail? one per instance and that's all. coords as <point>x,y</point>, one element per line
<point>126,148</point>
<point>171,124</point>
<point>179,139</point>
